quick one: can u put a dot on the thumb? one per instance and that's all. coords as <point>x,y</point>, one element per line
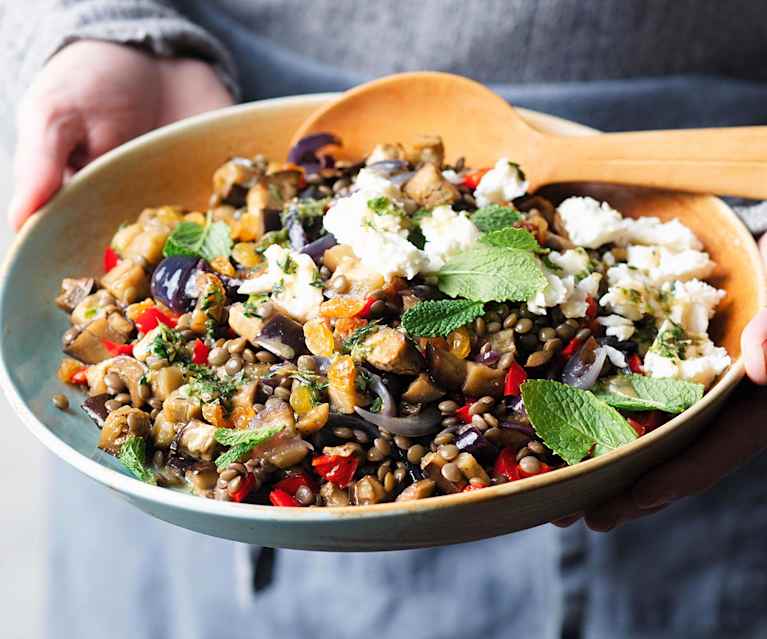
<point>44,144</point>
<point>752,346</point>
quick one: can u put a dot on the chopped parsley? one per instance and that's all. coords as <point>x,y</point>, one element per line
<point>376,406</point>
<point>359,335</point>
<point>168,344</point>
<point>272,237</point>
<point>317,281</point>
<point>382,205</point>
<point>208,386</point>
<point>253,304</point>
<point>671,341</point>
<point>289,266</point>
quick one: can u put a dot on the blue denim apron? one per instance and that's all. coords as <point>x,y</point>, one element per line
<point>696,570</point>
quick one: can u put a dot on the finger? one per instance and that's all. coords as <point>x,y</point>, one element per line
<point>616,512</point>
<point>720,449</point>
<point>567,520</point>
<point>44,143</point>
<point>752,346</point>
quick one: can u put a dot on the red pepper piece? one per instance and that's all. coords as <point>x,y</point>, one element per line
<point>294,481</point>
<point>635,364</point>
<point>200,352</point>
<point>246,485</point>
<point>472,179</point>
<point>336,469</point>
<point>470,487</point>
<point>572,348</point>
<point>637,426</point>
<point>544,468</point>
<point>365,312</point>
<point>592,308</point>
<point>645,422</point>
<point>117,349</point>
<point>151,317</point>
<point>281,498</point>
<point>463,413</point>
<point>514,379</point>
<point>80,377</point>
<point>111,259</point>
<point>506,464</point>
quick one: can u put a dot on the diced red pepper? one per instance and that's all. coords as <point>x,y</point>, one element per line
<point>635,364</point>
<point>463,413</point>
<point>111,259</point>
<point>80,377</point>
<point>592,308</point>
<point>572,348</point>
<point>515,377</point>
<point>281,498</point>
<point>365,312</point>
<point>200,352</point>
<point>472,179</point>
<point>637,426</point>
<point>336,469</point>
<point>506,464</point>
<point>544,468</point>
<point>470,487</point>
<point>117,349</point>
<point>151,317</point>
<point>646,422</point>
<point>294,481</point>
<point>246,485</point>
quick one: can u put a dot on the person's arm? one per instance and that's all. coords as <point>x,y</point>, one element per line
<point>102,72</point>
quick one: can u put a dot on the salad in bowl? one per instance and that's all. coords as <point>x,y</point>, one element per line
<point>331,333</point>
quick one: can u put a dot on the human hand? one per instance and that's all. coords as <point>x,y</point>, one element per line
<point>91,97</point>
<point>739,433</point>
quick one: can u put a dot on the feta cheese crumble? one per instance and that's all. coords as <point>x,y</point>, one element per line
<point>291,278</point>
<point>447,234</point>
<point>663,265</point>
<point>501,184</point>
<point>590,223</point>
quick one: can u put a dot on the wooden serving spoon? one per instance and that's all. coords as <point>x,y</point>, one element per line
<point>478,124</point>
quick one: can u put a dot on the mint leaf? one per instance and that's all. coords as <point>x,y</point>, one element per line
<point>511,237</point>
<point>209,241</point>
<point>573,422</point>
<point>438,318</point>
<point>241,442</point>
<point>132,455</point>
<point>640,393</point>
<point>488,273</point>
<point>494,217</point>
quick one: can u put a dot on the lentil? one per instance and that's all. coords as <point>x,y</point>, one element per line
<point>60,401</point>
<point>447,407</point>
<point>523,326</point>
<point>448,452</point>
<point>451,472</point>
<point>530,464</point>
<point>415,453</point>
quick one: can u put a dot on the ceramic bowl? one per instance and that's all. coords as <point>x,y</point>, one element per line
<point>175,165</point>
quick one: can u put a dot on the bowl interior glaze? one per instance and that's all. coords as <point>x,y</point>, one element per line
<point>175,165</point>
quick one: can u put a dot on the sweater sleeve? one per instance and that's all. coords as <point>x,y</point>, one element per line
<point>33,30</point>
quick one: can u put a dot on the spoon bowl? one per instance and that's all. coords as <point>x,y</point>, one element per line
<point>482,126</point>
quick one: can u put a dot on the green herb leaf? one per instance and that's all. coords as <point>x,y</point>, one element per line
<point>572,422</point>
<point>671,341</point>
<point>488,273</point>
<point>359,335</point>
<point>494,217</point>
<point>438,318</point>
<point>640,393</point>
<point>205,384</point>
<point>132,455</point>
<point>241,442</point>
<point>511,237</point>
<point>209,241</point>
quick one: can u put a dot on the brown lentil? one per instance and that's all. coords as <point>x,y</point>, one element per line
<point>234,365</point>
<point>144,391</point>
<point>383,446</point>
<point>537,448</point>
<point>538,358</point>
<point>402,442</point>
<point>523,326</point>
<point>523,452</point>
<point>530,464</point>
<point>249,356</point>
<point>112,405</point>
<point>510,320</point>
<point>114,382</point>
<point>304,495</point>
<point>306,363</point>
<point>374,455</point>
<point>60,401</point>
<point>383,468</point>
<point>565,331</point>
<point>493,434</point>
<point>447,407</point>
<point>493,327</point>
<point>155,402</point>
<point>218,356</point>
<point>546,334</point>
<point>480,327</point>
<point>415,453</point>
<point>344,432</point>
<point>444,438</point>
<point>448,452</point>
<point>450,421</point>
<point>553,345</point>
<point>478,422</point>
<point>361,436</point>
<point>451,472</point>
<point>265,357</point>
<point>236,346</point>
<point>490,419</point>
<point>507,359</point>
<point>284,393</point>
<point>389,482</point>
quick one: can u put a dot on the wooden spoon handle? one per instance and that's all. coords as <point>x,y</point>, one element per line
<point>726,161</point>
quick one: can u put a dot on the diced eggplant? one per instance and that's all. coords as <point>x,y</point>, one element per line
<point>121,424</point>
<point>276,412</point>
<point>304,152</point>
<point>447,370</point>
<point>88,346</point>
<point>429,188</point>
<point>74,291</point>
<point>272,191</point>
<point>245,325</point>
<point>164,430</point>
<point>422,390</point>
<point>333,256</point>
<point>317,249</point>
<point>127,282</point>
<point>162,218</point>
<point>503,341</point>
<point>166,380</point>
<point>427,148</point>
<point>282,336</point>
<point>232,180</point>
<point>483,380</point>
<point>432,464</point>
<point>386,153</point>
<point>147,245</point>
<point>471,468</point>
<point>170,282</point>
<point>471,440</point>
<point>368,491</point>
<point>95,408</point>
<point>332,495</point>
<point>178,408</point>
<point>211,303</point>
<point>197,440</point>
<point>91,307</point>
<point>418,490</point>
<point>389,350</point>
<point>130,371</point>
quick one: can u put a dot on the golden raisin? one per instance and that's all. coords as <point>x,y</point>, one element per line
<point>459,342</point>
<point>319,339</point>
<point>68,368</point>
<point>344,306</point>
<point>342,376</point>
<point>222,265</point>
<point>314,420</point>
<point>345,326</point>
<point>245,253</point>
<point>241,416</point>
<point>251,227</point>
<point>302,399</point>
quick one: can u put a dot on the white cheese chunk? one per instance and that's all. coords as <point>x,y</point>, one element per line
<point>290,278</point>
<point>663,265</point>
<point>447,234</point>
<point>572,261</point>
<point>692,304</point>
<point>650,230</point>
<point>501,184</point>
<point>617,326</point>
<point>590,223</point>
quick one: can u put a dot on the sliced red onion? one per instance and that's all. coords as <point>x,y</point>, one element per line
<point>526,429</point>
<point>316,250</point>
<point>616,357</point>
<point>388,409</point>
<point>387,168</point>
<point>304,153</point>
<point>584,368</point>
<point>425,423</point>
<point>471,440</point>
<point>489,358</point>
